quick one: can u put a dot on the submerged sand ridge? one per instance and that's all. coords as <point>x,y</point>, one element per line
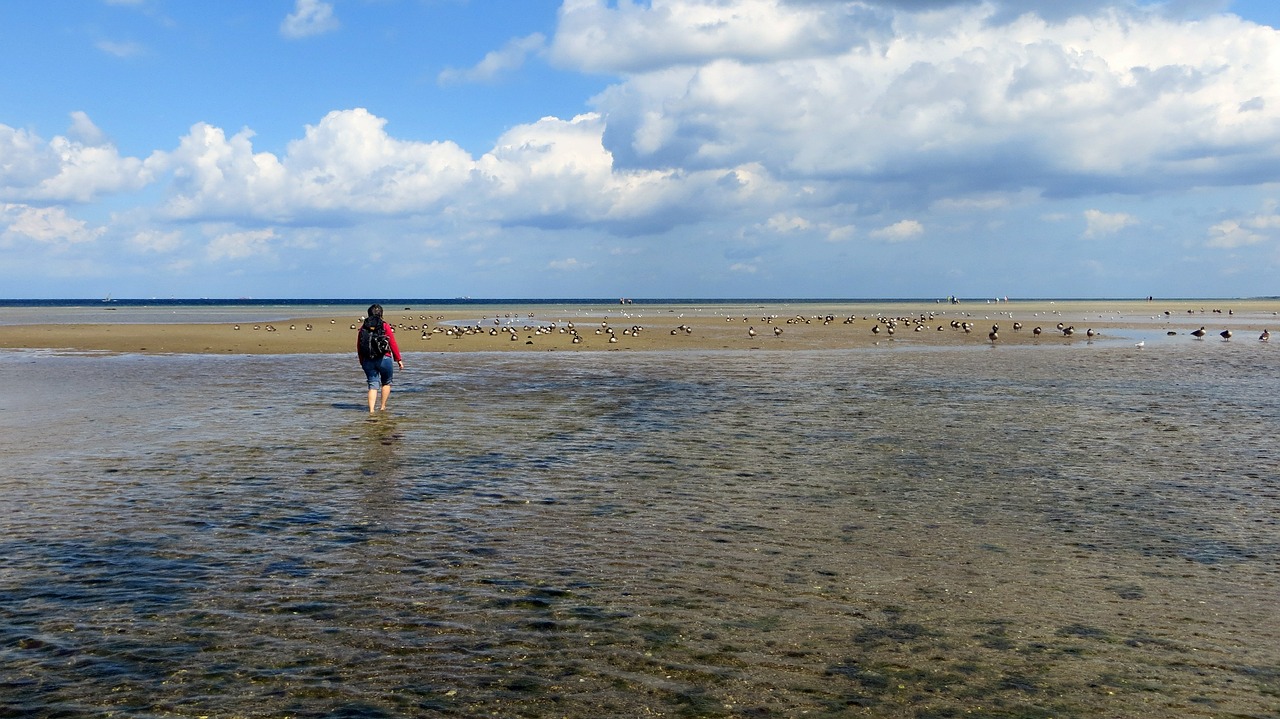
<point>795,326</point>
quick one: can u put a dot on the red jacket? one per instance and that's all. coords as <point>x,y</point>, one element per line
<point>391,335</point>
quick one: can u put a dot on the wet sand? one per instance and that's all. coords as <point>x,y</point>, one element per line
<point>675,327</point>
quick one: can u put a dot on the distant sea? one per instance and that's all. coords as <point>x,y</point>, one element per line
<point>126,311</point>
<point>204,310</point>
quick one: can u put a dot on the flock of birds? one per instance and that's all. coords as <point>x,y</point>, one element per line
<point>514,327</point>
<point>890,325</point>
<point>1227,334</point>
<point>272,328</point>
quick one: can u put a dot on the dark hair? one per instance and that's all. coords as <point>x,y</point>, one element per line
<point>373,322</point>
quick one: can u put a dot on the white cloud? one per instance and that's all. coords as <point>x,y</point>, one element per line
<point>632,37</point>
<point>26,162</point>
<point>65,169</point>
<point>899,231</point>
<point>978,203</point>
<point>1099,223</point>
<point>345,164</point>
<point>1265,222</point>
<point>841,233</point>
<point>240,245</point>
<point>550,173</point>
<point>567,264</point>
<point>84,130</point>
<point>787,223</point>
<point>1230,234</point>
<point>511,57</point>
<point>119,49</point>
<point>933,101</point>
<point>156,241</point>
<point>45,225</point>
<point>557,171</point>
<point>783,223</point>
<point>309,17</point>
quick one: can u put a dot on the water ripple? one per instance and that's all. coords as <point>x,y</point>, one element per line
<point>1034,531</point>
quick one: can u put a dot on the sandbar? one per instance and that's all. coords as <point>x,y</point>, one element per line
<point>761,326</point>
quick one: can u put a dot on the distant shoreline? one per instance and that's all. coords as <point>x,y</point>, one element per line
<point>641,301</point>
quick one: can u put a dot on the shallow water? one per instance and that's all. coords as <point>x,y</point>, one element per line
<point>1012,531</point>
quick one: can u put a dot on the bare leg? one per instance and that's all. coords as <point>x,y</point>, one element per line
<point>386,392</point>
<point>373,397</point>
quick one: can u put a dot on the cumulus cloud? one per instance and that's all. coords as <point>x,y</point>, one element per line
<point>65,169</point>
<point>44,225</point>
<point>309,17</point>
<point>1099,223</point>
<point>556,172</point>
<point>240,245</point>
<point>899,231</point>
<point>1231,234</point>
<point>84,130</point>
<point>550,173</point>
<point>788,223</point>
<point>511,57</point>
<point>783,223</point>
<point>841,233</point>
<point>935,101</point>
<point>345,164</point>
<point>632,37</point>
<point>156,241</point>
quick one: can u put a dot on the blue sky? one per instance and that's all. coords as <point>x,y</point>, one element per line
<point>668,148</point>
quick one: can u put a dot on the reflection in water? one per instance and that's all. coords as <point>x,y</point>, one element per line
<point>1009,532</point>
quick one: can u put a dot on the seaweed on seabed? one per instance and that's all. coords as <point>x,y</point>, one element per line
<point>1083,631</point>
<point>893,632</point>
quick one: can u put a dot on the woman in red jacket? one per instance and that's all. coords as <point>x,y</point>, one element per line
<point>375,363</point>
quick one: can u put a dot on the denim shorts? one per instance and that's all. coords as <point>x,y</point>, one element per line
<point>378,371</point>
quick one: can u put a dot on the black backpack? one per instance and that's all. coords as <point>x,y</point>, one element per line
<point>373,340</point>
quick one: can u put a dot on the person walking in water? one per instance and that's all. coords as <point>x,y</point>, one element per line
<point>376,347</point>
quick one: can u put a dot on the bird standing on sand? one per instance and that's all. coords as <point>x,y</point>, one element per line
<point>1198,333</point>
<point>1226,334</point>
<point>993,335</point>
<point>751,331</point>
<point>1265,336</point>
<point>1036,331</point>
<point>777,331</point>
